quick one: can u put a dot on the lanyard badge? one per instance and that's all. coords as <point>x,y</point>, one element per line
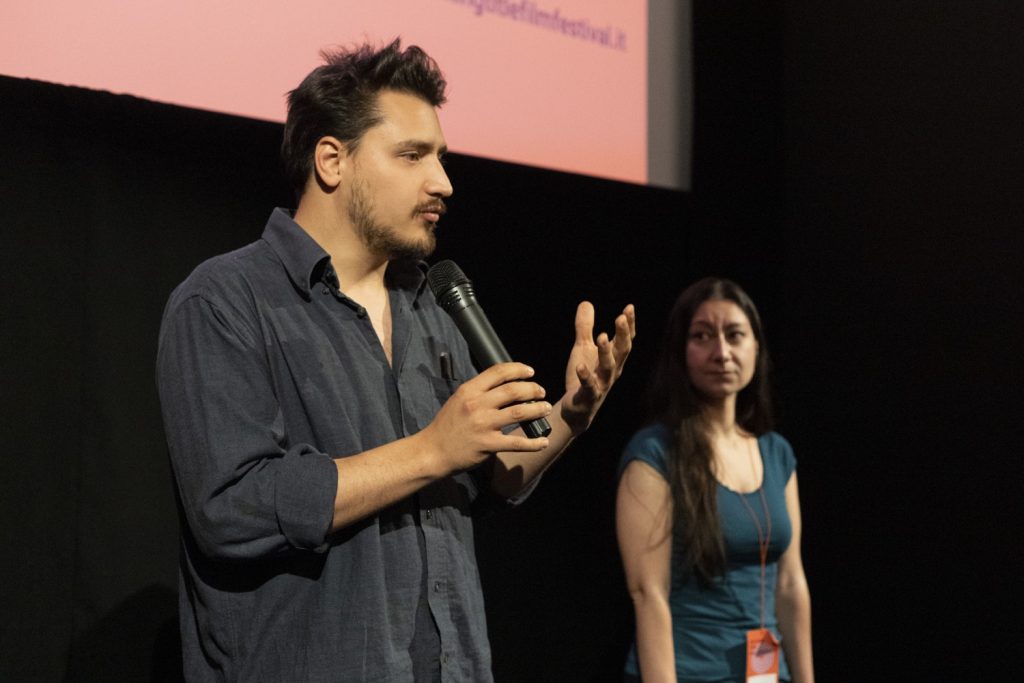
<point>762,645</point>
<point>762,656</point>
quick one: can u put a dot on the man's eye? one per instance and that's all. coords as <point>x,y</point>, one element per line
<point>411,156</point>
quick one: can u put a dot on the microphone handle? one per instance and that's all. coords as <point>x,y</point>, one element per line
<point>488,350</point>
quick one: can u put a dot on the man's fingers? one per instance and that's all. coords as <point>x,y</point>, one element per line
<point>517,392</point>
<point>514,442</point>
<point>502,373</point>
<point>587,380</point>
<point>524,412</point>
<point>605,356</point>
<point>583,373</point>
<point>585,322</point>
<point>625,331</point>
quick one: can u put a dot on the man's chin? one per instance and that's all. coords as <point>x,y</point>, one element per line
<point>413,251</point>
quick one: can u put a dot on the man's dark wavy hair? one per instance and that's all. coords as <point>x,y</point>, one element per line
<point>339,99</point>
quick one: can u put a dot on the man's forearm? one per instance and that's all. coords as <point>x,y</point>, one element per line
<point>372,480</point>
<point>515,472</point>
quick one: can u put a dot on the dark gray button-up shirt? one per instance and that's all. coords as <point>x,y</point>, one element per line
<point>266,372</point>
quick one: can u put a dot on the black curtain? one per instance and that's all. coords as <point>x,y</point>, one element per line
<point>873,154</point>
<point>904,163</point>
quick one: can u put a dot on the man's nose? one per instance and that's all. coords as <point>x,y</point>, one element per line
<point>438,184</point>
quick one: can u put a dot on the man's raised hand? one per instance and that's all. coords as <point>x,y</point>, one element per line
<point>594,365</point>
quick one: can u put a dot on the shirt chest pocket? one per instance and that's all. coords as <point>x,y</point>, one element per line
<point>424,390</point>
<point>439,372</point>
<point>443,388</point>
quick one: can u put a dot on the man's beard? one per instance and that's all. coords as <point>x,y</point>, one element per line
<point>383,239</point>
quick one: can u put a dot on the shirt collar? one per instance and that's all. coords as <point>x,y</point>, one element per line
<point>302,257</point>
<point>408,275</point>
<point>306,261</point>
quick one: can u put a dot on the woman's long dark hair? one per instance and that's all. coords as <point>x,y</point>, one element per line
<point>698,548</point>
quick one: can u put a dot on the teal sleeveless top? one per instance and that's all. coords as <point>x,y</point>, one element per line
<point>710,624</point>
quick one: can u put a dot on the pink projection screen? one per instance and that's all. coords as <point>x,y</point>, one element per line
<point>559,84</point>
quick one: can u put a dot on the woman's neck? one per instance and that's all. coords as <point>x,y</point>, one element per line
<point>720,418</point>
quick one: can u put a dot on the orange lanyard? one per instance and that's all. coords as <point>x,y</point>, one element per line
<point>763,539</point>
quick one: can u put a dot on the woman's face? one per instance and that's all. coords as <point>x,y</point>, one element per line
<point>721,351</point>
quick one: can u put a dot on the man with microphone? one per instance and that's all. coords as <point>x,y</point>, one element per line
<point>329,437</point>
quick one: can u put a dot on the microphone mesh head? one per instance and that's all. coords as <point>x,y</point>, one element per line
<point>444,275</point>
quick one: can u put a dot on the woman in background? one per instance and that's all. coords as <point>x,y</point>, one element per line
<point>707,512</point>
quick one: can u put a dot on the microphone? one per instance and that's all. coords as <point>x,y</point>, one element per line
<point>455,295</point>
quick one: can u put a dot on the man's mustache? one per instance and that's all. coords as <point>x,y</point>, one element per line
<point>437,207</point>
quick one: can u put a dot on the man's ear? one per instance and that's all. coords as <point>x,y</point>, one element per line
<point>330,162</point>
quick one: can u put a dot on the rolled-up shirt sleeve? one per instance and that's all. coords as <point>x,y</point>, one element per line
<point>245,489</point>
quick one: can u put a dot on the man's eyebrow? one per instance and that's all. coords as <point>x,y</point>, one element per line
<point>421,146</point>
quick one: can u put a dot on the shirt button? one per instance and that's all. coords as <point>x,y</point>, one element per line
<point>444,658</point>
<point>437,586</point>
<point>429,514</point>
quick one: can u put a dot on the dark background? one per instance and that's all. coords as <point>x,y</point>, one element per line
<point>858,168</point>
